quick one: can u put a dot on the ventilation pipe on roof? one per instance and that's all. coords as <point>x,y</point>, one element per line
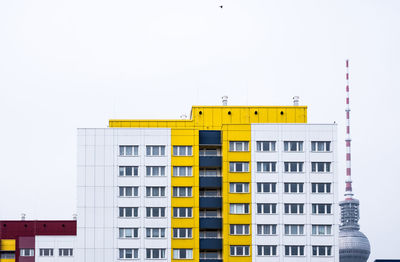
<point>74,216</point>
<point>225,100</point>
<point>296,100</point>
<point>183,116</point>
<point>23,216</point>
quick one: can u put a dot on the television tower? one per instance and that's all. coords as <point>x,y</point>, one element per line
<point>353,245</point>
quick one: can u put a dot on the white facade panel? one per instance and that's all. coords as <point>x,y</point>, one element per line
<point>99,199</point>
<point>55,243</point>
<point>305,133</point>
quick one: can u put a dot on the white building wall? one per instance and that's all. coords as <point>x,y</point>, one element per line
<point>98,192</point>
<point>55,243</point>
<point>295,132</point>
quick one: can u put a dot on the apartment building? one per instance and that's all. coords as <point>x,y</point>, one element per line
<point>232,183</point>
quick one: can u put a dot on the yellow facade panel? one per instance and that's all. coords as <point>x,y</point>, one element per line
<point>184,222</point>
<point>7,244</point>
<point>7,260</point>
<point>239,197</point>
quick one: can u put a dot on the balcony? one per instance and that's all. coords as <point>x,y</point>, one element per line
<point>210,223</point>
<point>210,202</point>
<point>210,182</point>
<point>210,161</point>
<point>208,137</point>
<point>211,243</point>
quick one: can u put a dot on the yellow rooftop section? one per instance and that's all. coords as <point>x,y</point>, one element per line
<point>214,117</point>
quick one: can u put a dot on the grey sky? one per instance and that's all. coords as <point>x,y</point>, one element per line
<point>69,64</point>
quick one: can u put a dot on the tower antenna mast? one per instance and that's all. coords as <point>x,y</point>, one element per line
<point>349,190</point>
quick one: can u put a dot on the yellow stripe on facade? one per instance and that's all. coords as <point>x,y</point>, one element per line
<point>7,245</point>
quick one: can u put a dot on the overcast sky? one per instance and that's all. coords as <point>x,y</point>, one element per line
<point>71,64</point>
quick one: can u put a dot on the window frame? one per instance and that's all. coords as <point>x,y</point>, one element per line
<point>161,211</point>
<point>260,146</point>
<point>287,146</point>
<point>176,253</point>
<point>176,212</point>
<point>162,253</point>
<point>65,252</point>
<point>122,232</point>
<point>150,171</point>
<point>266,208</point>
<point>316,168</point>
<point>234,228</point>
<point>263,248</point>
<point>176,233</point>
<point>233,146</point>
<point>326,146</point>
<point>316,230</point>
<point>135,150</point>
<point>150,190</point>
<point>235,206</point>
<point>151,232</point>
<point>176,151</point>
<point>287,167</point>
<point>245,250</point>
<point>122,171</point>
<point>270,186</point>
<point>122,253</point>
<point>262,229</point>
<point>266,167</point>
<point>23,252</point>
<point>316,250</point>
<point>135,210</point>
<point>123,190</point>
<point>150,150</point>
<point>289,207</point>
<point>300,251</point>
<point>233,186</point>
<point>177,190</point>
<point>233,167</point>
<point>177,170</point>
<point>315,209</point>
<point>288,186</point>
<point>327,188</point>
<point>42,252</point>
<point>294,230</point>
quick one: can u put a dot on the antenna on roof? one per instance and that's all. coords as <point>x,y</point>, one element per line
<point>349,190</point>
<point>225,100</point>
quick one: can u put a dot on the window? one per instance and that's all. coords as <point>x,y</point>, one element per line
<point>294,187</point>
<point>209,152</point>
<point>294,230</point>
<point>183,253</point>
<point>154,253</point>
<point>322,250</point>
<point>128,253</point>
<point>182,212</point>
<point>128,150</point>
<point>238,146</point>
<point>320,146</point>
<point>320,167</point>
<point>238,167</point>
<point>128,171</point>
<point>209,172</point>
<point>128,212</point>
<point>129,232</point>
<point>266,229</point>
<point>210,255</point>
<point>210,192</point>
<point>294,250</point>
<point>27,252</point>
<point>210,234</point>
<point>266,250</point>
<point>46,252</point>
<point>210,213</point>
<point>182,150</point>
<point>294,166</point>
<point>321,187</point>
<point>182,191</point>
<point>155,211</point>
<point>266,208</point>
<point>293,146</point>
<point>266,146</point>
<point>182,171</point>
<point>155,191</point>
<point>240,250</point>
<point>294,208</point>
<point>155,170</point>
<point>321,208</point>
<point>7,255</point>
<point>155,232</point>
<point>266,167</point>
<point>155,150</point>
<point>239,187</point>
<point>266,187</point>
<point>128,191</point>
<point>182,233</point>
<point>239,229</point>
<point>321,229</point>
<point>65,252</point>
<point>239,208</point>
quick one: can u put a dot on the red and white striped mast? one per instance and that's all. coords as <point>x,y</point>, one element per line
<point>349,190</point>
